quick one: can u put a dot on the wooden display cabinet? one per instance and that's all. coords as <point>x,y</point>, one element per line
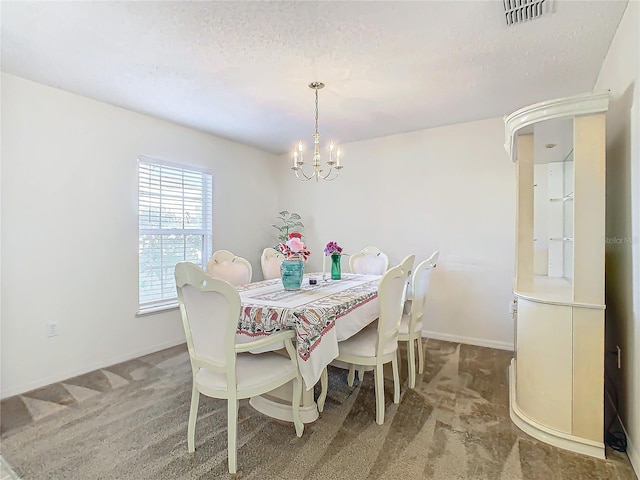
<point>557,374</point>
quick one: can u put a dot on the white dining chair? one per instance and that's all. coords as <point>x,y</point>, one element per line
<point>411,324</point>
<point>210,309</point>
<point>369,261</point>
<point>270,262</point>
<point>230,267</point>
<point>377,345</point>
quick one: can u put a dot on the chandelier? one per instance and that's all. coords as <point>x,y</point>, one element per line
<point>317,173</point>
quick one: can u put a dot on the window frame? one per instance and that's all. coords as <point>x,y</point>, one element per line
<point>205,232</point>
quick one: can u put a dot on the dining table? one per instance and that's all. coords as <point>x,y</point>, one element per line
<point>321,314</point>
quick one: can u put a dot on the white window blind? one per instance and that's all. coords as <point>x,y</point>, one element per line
<point>174,225</point>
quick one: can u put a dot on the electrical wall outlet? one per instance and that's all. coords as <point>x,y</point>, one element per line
<point>52,329</point>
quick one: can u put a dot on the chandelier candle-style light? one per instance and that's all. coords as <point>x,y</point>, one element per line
<point>334,164</point>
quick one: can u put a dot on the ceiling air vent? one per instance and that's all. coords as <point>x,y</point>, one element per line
<point>518,11</point>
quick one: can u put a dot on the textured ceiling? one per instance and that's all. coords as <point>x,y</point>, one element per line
<point>240,69</point>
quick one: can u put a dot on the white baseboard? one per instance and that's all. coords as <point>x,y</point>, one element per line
<point>480,342</point>
<point>632,453</point>
<point>60,376</point>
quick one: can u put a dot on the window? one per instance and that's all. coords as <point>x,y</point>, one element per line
<point>174,225</point>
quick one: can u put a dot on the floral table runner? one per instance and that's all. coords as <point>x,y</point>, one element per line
<point>312,311</point>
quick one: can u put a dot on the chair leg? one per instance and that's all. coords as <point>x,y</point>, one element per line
<point>324,386</point>
<point>420,356</point>
<point>396,380</point>
<point>232,433</point>
<point>193,415</point>
<point>352,374</point>
<point>411,359</point>
<point>361,373</point>
<point>295,403</point>
<point>379,389</point>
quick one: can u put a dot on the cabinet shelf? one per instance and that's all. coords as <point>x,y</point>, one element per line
<point>556,290</point>
<point>566,198</point>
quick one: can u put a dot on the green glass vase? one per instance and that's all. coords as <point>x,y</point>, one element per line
<point>335,267</point>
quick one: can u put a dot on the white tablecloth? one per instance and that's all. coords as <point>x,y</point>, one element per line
<point>322,315</point>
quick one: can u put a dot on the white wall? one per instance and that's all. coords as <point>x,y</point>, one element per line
<point>69,228</point>
<point>621,73</point>
<point>450,189</point>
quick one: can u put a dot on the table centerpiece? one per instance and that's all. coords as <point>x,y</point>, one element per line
<point>292,267</point>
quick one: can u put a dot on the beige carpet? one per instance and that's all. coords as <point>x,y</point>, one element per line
<point>129,421</point>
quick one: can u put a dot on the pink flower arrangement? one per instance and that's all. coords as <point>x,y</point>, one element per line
<point>333,248</point>
<point>294,247</point>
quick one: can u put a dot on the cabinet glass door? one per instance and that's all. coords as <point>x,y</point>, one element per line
<point>553,199</point>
